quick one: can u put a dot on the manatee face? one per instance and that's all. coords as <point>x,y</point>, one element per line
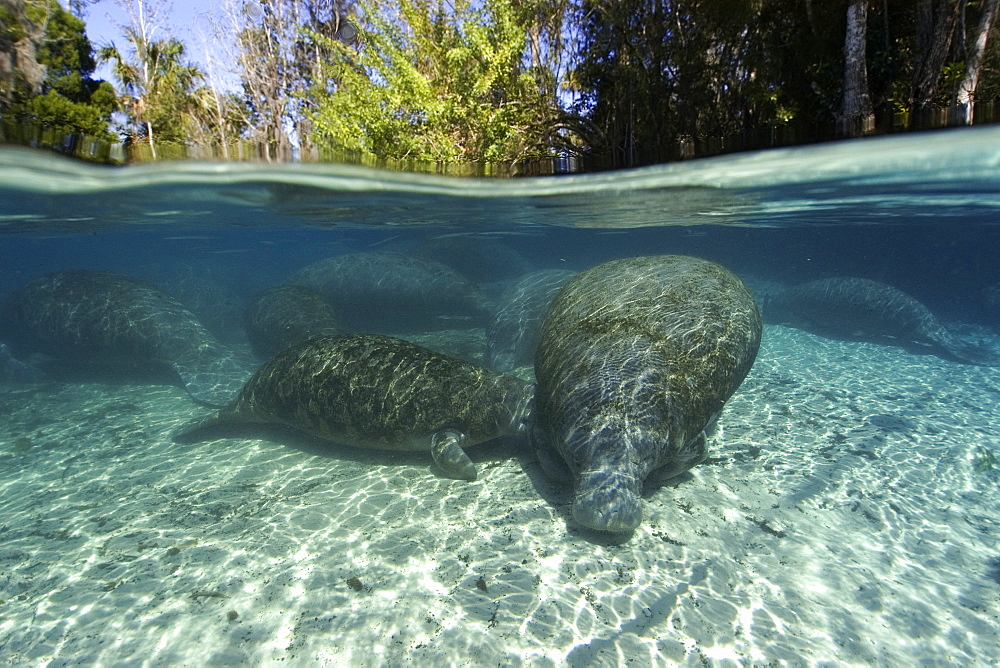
<point>615,462</point>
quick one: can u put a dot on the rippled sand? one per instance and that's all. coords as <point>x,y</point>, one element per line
<point>849,514</point>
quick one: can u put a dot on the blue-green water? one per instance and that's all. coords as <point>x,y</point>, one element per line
<point>847,513</point>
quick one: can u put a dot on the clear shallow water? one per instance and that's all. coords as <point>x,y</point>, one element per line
<point>848,512</point>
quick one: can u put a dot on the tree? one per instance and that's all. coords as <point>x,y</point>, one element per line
<point>276,55</point>
<point>47,63</point>
<point>157,84</point>
<point>430,83</point>
<point>935,30</point>
<point>965,98</point>
<point>662,79</point>
<point>855,109</point>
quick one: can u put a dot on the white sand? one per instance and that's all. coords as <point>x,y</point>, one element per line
<point>849,515</point>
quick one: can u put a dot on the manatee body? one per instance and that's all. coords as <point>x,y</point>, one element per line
<point>284,315</point>
<point>207,292</point>
<point>104,318</point>
<point>383,292</point>
<point>378,392</point>
<point>859,307</point>
<point>478,258</point>
<point>637,356</point>
<point>512,334</point>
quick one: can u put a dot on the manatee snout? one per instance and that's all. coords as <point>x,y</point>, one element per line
<point>608,500</point>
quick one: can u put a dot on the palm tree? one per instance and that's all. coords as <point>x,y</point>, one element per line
<point>157,87</point>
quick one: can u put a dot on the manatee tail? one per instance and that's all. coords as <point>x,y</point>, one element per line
<point>204,427</point>
<point>970,352</point>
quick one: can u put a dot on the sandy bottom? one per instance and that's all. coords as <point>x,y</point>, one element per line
<point>849,514</point>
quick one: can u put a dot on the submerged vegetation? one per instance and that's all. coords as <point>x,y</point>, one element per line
<point>456,81</point>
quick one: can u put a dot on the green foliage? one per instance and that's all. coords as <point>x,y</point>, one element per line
<point>431,84</point>
<point>65,117</point>
<point>69,100</point>
<point>158,89</point>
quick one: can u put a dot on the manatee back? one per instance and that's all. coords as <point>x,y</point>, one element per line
<point>106,318</point>
<point>93,314</point>
<point>853,306</point>
<point>377,392</point>
<point>662,340</point>
<point>378,291</point>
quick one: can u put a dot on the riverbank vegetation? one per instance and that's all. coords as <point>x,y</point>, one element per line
<point>609,82</point>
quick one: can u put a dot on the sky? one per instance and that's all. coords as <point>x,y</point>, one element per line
<point>184,19</point>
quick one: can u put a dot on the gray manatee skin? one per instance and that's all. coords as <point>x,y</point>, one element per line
<point>637,357</point>
<point>389,292</point>
<point>284,315</point>
<point>872,310</point>
<point>512,334</point>
<point>105,318</point>
<point>378,392</point>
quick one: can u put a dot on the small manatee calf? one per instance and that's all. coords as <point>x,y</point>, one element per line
<point>382,393</point>
<point>637,356</point>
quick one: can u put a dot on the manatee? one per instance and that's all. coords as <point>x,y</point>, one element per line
<point>104,318</point>
<point>512,334</point>
<point>636,358</point>
<point>205,290</point>
<point>387,292</point>
<point>478,258</point>
<point>378,392</point>
<point>871,310</point>
<point>284,315</point>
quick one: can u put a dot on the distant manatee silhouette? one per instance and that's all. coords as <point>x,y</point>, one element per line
<point>875,311</point>
<point>104,318</point>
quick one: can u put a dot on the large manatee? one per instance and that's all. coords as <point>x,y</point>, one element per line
<point>636,358</point>
<point>389,292</point>
<point>104,318</point>
<point>378,392</point>
<point>872,310</point>
<point>512,334</point>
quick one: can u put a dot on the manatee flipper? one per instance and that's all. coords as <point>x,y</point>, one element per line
<point>446,449</point>
<point>693,453</point>
<point>553,465</point>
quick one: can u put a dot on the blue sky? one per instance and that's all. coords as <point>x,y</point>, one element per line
<point>184,19</point>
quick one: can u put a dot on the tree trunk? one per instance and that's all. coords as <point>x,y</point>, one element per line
<point>855,118</point>
<point>933,44</point>
<point>149,134</point>
<point>965,102</point>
